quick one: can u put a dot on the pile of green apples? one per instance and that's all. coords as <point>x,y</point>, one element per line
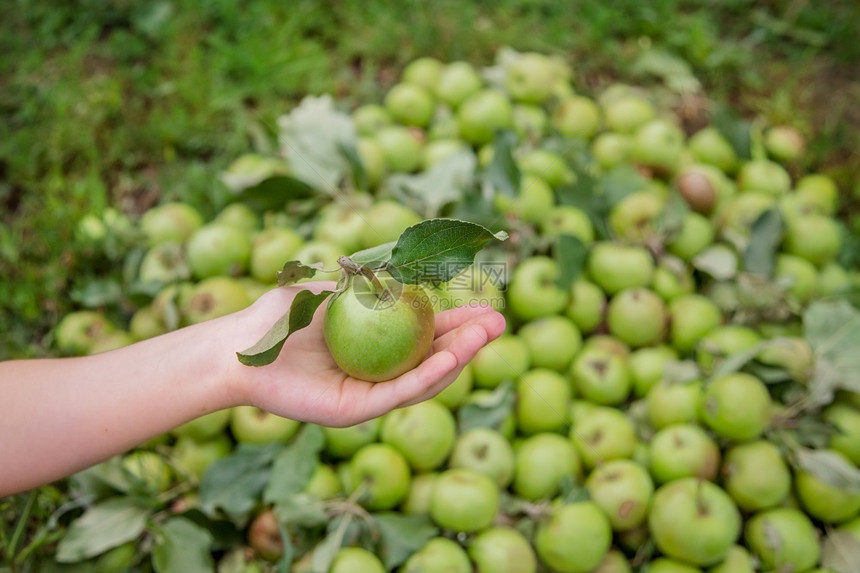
<point>654,404</point>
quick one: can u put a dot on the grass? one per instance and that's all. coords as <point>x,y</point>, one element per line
<point>125,103</point>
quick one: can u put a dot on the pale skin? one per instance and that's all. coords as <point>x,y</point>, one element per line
<point>59,416</point>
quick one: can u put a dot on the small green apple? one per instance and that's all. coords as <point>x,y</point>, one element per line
<point>170,223</point>
<point>424,433</point>
<point>692,317</point>
<point>823,501</point>
<point>455,393</point>
<point>637,316</point>
<point>502,550</point>
<point>352,559</point>
<point>270,249</point>
<point>410,104</point>
<point>218,249</point>
<point>601,375</point>
<point>439,554</point>
<point>756,475</point>
<point>543,400</point>
<point>530,78</point>
<point>783,539</point>
<point>533,291</point>
<point>615,267</point>
<point>79,330</point>
<point>204,427</point>
<point>381,473</point>
<point>552,341</point>
<point>709,146</point>
<point>846,440</point>
<point>586,306</point>
<point>541,462</point>
<point>370,118</point>
<point>681,451</point>
<point>417,500</point>
<point>575,538</point>
<point>252,425</point>
<point>568,220</point>
<point>401,147</point>
<point>576,116</point>
<point>603,433</point>
<point>457,81</point>
<point>623,490</point>
<point>764,176</point>
<point>736,406</point>
<point>647,366</point>
<point>611,149</point>
<point>505,358</point>
<point>670,402</point>
<point>485,451</point>
<point>344,442</point>
<point>240,216</point>
<point>213,297</point>
<point>738,560</point>
<point>464,500</point>
<point>482,114</point>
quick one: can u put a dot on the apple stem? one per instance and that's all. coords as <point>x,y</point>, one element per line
<point>353,268</point>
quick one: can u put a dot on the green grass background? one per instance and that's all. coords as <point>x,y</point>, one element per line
<point>126,103</point>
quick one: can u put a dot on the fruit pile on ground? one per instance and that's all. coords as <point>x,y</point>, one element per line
<point>677,390</point>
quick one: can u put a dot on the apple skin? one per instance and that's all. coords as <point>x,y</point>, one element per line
<point>423,72</point>
<point>324,483</point>
<point>502,550</point>
<point>164,263</point>
<point>784,539</point>
<point>457,81</point>
<point>673,403</point>
<point>586,306</point>
<point>482,114</point>
<point>681,451</point>
<point>694,521</point>
<point>340,224</point>
<point>736,406</point>
<point>543,400</point>
<point>370,118</point>
<point>568,220</point>
<point>547,165</point>
<point>352,559</point>
<point>530,78</point>
<point>709,146</point>
<point>623,490</point>
<point>576,117</point>
<point>376,339</point>
<point>815,237</point>
<point>738,560</point>
<point>532,292</point>
<point>145,323</point>
<point>213,297</point>
<point>148,471</point>
<point>723,341</point>
<point>846,440</point>
<point>438,150</point>
<point>574,539</point>
<point>692,317</point>
<point>438,554</point>
<point>204,427</point>
<point>611,149</point>
<point>552,341</point>
<point>540,462</point>
<point>417,500</point>
<point>170,223</point>
<point>218,249</point>
<point>464,500</point>
<point>819,192</point>
<point>344,442</point>
<point>270,249</point>
<point>634,218</point>
<point>600,375</point>
<point>613,562</point>
<point>455,393</point>
<point>485,451</point>
<point>384,474</point>
<point>664,565</point>
<point>625,114</point>
<point>615,267</point>
<point>385,221</point>
<point>252,425</point>
<point>532,203</point>
<point>401,147</point>
<point>696,234</point>
<point>756,475</point>
<point>637,316</point>
<point>764,176</point>
<point>658,144</point>
<point>372,160</point>
<point>672,281</point>
<point>823,501</point>
<point>601,434</point>
<point>647,366</point>
<point>798,274</point>
<point>505,358</point>
<point>76,333</point>
<point>410,104</point>
<point>240,216</point>
<point>424,433</point>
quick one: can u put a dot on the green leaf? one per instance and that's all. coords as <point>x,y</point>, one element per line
<point>374,257</point>
<point>571,254</point>
<point>767,233</point>
<point>359,174</point>
<point>300,315</point>
<point>840,552</point>
<point>437,249</point>
<point>719,261</point>
<point>734,129</point>
<point>489,411</point>
<point>234,483</point>
<point>734,362</point>
<point>294,271</point>
<point>250,170</point>
<point>274,193</point>
<point>104,526</point>
<point>295,465</point>
<point>671,220</point>
<point>502,172</point>
<point>674,71</point>
<point>681,372</point>
<point>832,329</point>
<point>443,184</point>
<point>313,136</point>
<point>182,545</point>
<point>325,552</point>
<point>829,467</point>
<point>401,536</point>
<point>302,509</point>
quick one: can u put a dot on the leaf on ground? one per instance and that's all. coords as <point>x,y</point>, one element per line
<point>274,193</point>
<point>571,254</point>
<point>674,71</point>
<point>182,545</point>
<point>488,412</point>
<point>719,261</point>
<point>295,465</point>
<point>234,484</point>
<point>502,172</point>
<point>302,509</point>
<point>766,236</point>
<point>840,552</point>
<point>734,362</point>
<point>735,129</point>
<point>250,170</point>
<point>829,467</point>
<point>444,183</point>
<point>437,249</point>
<point>300,315</point>
<point>832,329</point>
<point>294,271</point>
<point>681,372</point>
<point>103,526</point>
<point>401,536</point>
<point>312,138</point>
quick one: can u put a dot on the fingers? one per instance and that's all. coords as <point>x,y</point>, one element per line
<point>451,319</point>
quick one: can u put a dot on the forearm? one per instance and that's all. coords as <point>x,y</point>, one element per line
<point>59,416</point>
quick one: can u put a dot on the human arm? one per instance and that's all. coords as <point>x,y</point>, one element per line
<point>59,416</point>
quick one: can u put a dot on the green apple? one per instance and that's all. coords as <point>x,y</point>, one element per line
<point>635,218</point>
<point>440,554</point>
<point>607,343</point>
<point>170,223</point>
<point>457,81</point>
<point>417,500</point>
<point>252,425</point>
<point>637,316</point>
<point>424,433</point>
<point>672,280</point>
<point>647,366</point>
<point>586,306</point>
<point>756,475</point>
<point>613,562</point>
<point>147,471</point>
<point>455,393</point>
<point>547,165</point>
<point>382,474</point>
<point>424,72</point>
<point>79,330</point>
<point>543,399</point>
<point>823,501</point>
<point>738,560</point>
<point>709,146</point>
<point>615,267</point>
<point>204,427</point>
<point>658,144</point>
<point>784,143</point>
<point>602,434</point>
<point>240,216</point>
<point>819,192</point>
<point>696,234</point>
<point>833,279</point>
<point>611,149</point>
<point>798,275</point>
<point>664,565</point>
<point>370,118</point>
<point>530,121</point>
<point>352,559</point>
<point>218,249</point>
<point>324,483</point>
<point>724,341</point>
<point>846,439</point>
<point>344,442</point>
<point>626,113</point>
<point>482,114</point>
<point>164,263</point>
<point>502,550</point>
<point>783,539</point>
<point>341,224</point>
<point>576,116</point>
<point>681,451</point>
<point>385,221</point>
<point>574,539</point>
<point>541,462</point>
<point>410,104</point>
<point>530,78</point>
<point>532,203</point>
<point>815,237</point>
<point>321,253</point>
<point>533,291</point>
<point>623,490</point>
<point>601,376</point>
<point>372,160</point>
<point>377,334</point>
<point>671,402</point>
<point>145,323</point>
<point>401,147</point>
<point>464,500</point>
<point>214,297</point>
<point>438,150</point>
<point>270,249</point>
<point>505,358</point>
<point>568,220</point>
<point>552,341</point>
<point>737,215</point>
<point>736,406</point>
<point>694,521</point>
<point>112,341</point>
<point>764,176</point>
<point>484,398</point>
<point>485,451</point>
<point>692,317</point>
<point>120,558</point>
